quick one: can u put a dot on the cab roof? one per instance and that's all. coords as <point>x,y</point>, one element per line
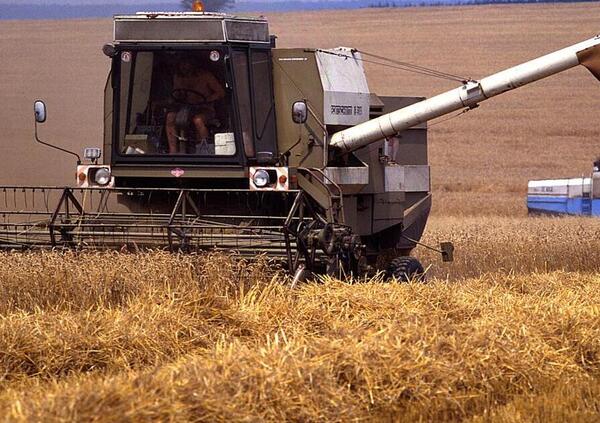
<point>189,27</point>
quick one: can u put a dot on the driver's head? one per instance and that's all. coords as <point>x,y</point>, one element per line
<point>187,66</point>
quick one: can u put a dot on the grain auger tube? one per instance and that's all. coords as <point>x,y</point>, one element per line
<point>470,94</point>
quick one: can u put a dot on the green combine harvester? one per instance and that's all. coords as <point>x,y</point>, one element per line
<point>215,139</point>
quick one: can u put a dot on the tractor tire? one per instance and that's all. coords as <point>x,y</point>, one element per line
<point>405,269</point>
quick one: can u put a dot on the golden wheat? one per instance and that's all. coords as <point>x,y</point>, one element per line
<point>513,245</point>
<point>105,336</point>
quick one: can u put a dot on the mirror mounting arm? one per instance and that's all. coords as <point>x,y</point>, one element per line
<point>56,147</point>
<point>39,109</point>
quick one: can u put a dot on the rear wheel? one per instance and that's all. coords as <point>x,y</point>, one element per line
<point>406,269</point>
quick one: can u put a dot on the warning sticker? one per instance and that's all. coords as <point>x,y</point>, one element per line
<point>177,172</point>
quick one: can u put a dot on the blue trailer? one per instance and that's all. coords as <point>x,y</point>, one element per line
<point>573,196</point>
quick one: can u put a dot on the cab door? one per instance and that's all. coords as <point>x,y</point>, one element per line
<point>255,102</point>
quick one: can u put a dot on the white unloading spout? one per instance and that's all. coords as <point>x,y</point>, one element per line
<point>469,95</point>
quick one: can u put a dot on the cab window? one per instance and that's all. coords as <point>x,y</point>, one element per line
<point>175,103</point>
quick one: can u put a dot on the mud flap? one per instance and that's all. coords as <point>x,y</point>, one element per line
<point>447,250</point>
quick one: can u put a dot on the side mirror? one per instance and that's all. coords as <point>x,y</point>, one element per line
<point>39,108</point>
<point>299,112</point>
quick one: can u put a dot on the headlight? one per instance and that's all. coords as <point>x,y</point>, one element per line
<point>261,178</point>
<point>92,153</point>
<point>102,176</point>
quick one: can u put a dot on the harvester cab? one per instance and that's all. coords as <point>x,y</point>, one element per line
<point>189,100</point>
<point>216,139</point>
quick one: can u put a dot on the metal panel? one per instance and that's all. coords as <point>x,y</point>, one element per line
<point>350,179</point>
<point>347,96</point>
<point>416,178</point>
<point>247,31</point>
<point>579,186</point>
<point>295,78</point>
<point>157,30</point>
<point>388,210</point>
<point>166,171</point>
<point>364,214</point>
<point>596,185</point>
<point>409,178</point>
<point>548,187</point>
<point>189,27</point>
<point>108,120</point>
<point>574,187</point>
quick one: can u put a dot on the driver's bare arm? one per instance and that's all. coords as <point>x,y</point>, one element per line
<point>218,92</point>
<point>203,83</point>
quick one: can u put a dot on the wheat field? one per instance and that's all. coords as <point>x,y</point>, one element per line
<point>130,337</point>
<point>508,332</point>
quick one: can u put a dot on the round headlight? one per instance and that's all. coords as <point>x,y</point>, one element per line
<point>260,178</point>
<point>102,176</point>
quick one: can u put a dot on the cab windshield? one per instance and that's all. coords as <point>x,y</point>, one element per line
<point>175,103</point>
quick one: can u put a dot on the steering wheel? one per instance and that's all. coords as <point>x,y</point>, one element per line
<point>181,95</point>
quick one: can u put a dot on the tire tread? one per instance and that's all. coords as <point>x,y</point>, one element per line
<point>406,269</point>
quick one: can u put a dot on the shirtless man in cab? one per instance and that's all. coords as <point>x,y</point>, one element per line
<point>197,89</point>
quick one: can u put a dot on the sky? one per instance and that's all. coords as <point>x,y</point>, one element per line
<point>127,2</point>
<point>82,2</point>
<point>97,2</point>
<point>60,9</point>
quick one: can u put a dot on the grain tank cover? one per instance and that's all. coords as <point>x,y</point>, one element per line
<point>346,92</point>
<point>189,27</point>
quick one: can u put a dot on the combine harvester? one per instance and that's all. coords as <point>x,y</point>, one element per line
<point>216,139</point>
<point>572,196</point>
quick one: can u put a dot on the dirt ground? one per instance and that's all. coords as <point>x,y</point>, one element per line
<point>480,162</point>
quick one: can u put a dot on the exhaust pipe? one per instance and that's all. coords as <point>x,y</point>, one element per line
<point>469,95</point>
